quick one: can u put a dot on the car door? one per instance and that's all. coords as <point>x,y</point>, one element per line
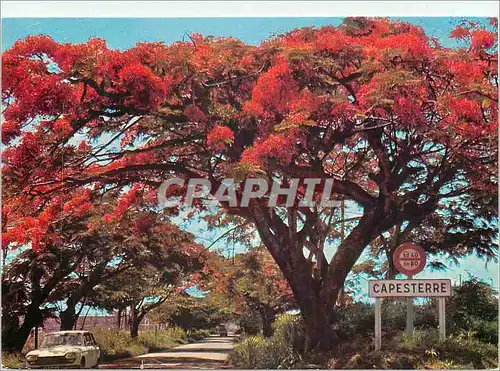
<point>89,350</point>
<point>96,349</point>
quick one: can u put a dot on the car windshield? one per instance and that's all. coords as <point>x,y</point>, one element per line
<point>52,340</point>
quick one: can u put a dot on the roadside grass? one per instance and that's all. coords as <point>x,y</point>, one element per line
<point>12,360</point>
<point>116,344</point>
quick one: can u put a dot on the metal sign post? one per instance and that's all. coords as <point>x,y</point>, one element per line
<point>442,319</point>
<point>378,323</point>
<point>409,314</point>
<point>409,259</point>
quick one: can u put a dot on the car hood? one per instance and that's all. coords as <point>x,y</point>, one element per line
<point>53,351</point>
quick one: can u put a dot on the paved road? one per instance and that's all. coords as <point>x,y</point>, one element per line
<point>210,353</point>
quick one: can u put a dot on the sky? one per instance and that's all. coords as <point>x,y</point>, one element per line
<point>123,33</point>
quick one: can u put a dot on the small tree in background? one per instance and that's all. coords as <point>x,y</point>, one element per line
<point>253,283</point>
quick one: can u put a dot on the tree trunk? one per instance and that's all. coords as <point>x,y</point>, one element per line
<point>134,328</point>
<point>317,315</point>
<point>68,317</point>
<point>135,320</point>
<point>268,316</point>
<point>119,318</point>
<point>315,286</point>
<point>85,318</point>
<point>17,337</point>
<point>33,315</point>
<point>10,325</point>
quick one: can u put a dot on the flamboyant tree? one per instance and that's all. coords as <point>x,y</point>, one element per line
<point>406,128</point>
<point>87,241</point>
<point>152,282</point>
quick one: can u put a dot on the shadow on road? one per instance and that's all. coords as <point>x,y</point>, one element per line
<point>210,353</point>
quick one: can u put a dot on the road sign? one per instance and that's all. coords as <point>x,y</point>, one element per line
<point>440,288</point>
<point>409,288</point>
<point>409,259</point>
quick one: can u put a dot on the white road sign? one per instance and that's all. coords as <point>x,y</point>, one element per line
<point>409,288</point>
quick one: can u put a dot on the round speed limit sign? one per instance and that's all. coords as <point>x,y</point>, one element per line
<point>409,259</point>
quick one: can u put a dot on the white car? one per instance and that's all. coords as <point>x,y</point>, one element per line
<point>65,349</point>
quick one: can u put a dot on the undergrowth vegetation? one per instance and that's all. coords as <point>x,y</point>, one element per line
<point>116,344</point>
<point>278,351</point>
<point>472,341</point>
<point>423,350</point>
<point>119,344</point>
<point>12,360</point>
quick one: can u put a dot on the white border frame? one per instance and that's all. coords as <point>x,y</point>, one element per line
<point>219,9</point>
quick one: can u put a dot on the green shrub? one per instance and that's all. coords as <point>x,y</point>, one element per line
<point>462,349</point>
<point>117,344</point>
<point>162,339</point>
<point>426,316</point>
<point>250,323</point>
<point>486,331</point>
<point>420,339</point>
<point>394,314</point>
<point>250,353</point>
<point>277,351</point>
<point>291,329</point>
<point>472,307</point>
<point>357,318</point>
<point>465,349</point>
<point>257,352</point>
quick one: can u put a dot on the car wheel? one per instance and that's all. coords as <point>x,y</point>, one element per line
<point>82,363</point>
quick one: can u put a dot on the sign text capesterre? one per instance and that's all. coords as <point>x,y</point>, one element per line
<point>409,288</point>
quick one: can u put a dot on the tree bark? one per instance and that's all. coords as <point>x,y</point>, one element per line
<point>85,318</point>
<point>135,319</point>
<point>268,316</point>
<point>33,316</point>
<point>315,292</point>
<point>138,311</point>
<point>119,318</point>
<point>15,340</point>
<point>316,312</point>
<point>68,317</point>
<point>134,327</point>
